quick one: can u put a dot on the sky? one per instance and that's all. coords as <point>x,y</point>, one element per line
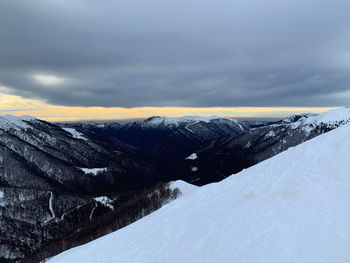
<point>119,59</point>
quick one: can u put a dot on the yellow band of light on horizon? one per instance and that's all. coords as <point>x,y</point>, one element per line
<point>16,105</point>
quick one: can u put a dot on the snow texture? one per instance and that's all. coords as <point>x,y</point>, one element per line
<point>248,145</point>
<point>93,171</point>
<point>329,118</point>
<point>92,211</point>
<point>2,203</point>
<point>75,133</point>
<point>185,188</point>
<point>193,156</point>
<point>104,200</point>
<point>270,134</point>
<point>175,122</point>
<point>8,122</point>
<point>51,206</point>
<point>237,122</point>
<point>194,169</point>
<point>292,207</point>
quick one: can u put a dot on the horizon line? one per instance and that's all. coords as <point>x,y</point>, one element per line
<point>18,106</point>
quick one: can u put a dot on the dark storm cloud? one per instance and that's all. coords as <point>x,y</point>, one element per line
<point>196,53</point>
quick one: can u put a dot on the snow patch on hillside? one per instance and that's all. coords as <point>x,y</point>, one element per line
<point>289,208</point>
<point>194,169</point>
<point>93,171</point>
<point>104,200</point>
<point>248,145</point>
<point>2,203</point>
<point>193,156</point>
<point>53,216</point>
<point>75,133</point>
<point>270,134</point>
<point>237,122</point>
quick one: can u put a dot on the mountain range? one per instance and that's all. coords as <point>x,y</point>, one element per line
<point>289,208</point>
<point>54,177</point>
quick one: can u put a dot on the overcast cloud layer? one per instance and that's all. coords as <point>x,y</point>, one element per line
<point>196,53</point>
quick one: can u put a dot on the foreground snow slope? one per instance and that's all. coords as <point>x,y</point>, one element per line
<point>184,187</point>
<point>333,117</point>
<point>294,207</point>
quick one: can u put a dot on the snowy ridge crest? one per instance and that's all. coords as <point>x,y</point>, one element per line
<point>175,122</point>
<point>8,122</point>
<point>332,118</point>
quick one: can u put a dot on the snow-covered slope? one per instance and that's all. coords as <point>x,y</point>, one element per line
<point>331,116</point>
<point>293,207</point>
<point>184,187</point>
<point>232,153</point>
<point>8,122</point>
<point>74,133</point>
<point>334,117</point>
